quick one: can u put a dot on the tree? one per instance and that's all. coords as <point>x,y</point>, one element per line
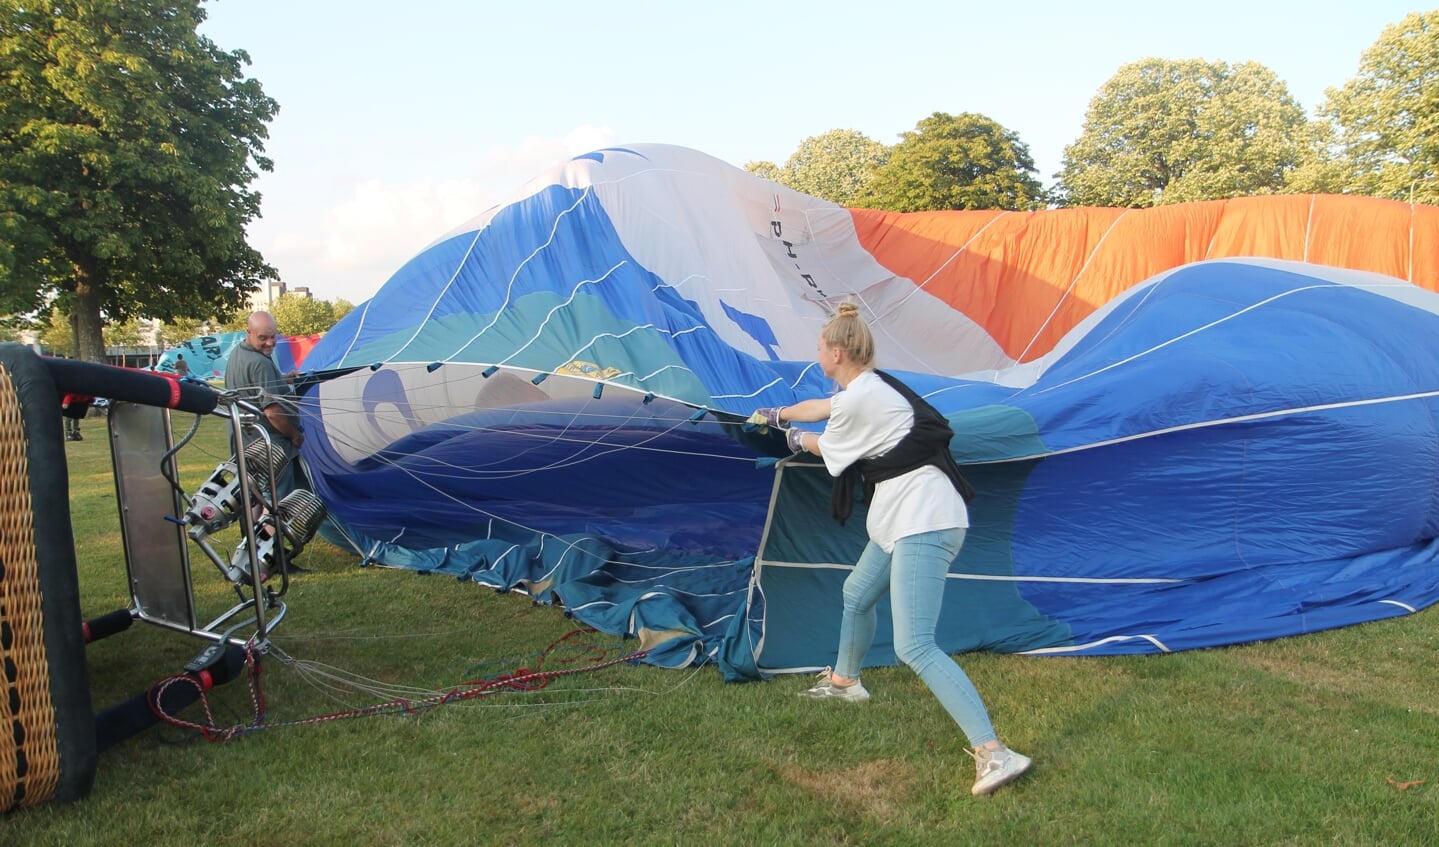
<point>1321,170</point>
<point>56,333</point>
<point>765,170</point>
<point>1387,117</point>
<point>964,161</point>
<point>296,315</point>
<point>177,331</point>
<point>127,142</point>
<point>234,322</point>
<point>130,332</point>
<point>14,327</point>
<point>1171,131</point>
<point>837,166</point>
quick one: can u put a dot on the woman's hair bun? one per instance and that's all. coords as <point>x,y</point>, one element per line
<point>848,310</point>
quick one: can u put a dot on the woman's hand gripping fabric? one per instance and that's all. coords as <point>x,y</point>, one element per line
<point>763,419</point>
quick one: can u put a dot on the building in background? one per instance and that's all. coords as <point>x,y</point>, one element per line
<point>271,291</point>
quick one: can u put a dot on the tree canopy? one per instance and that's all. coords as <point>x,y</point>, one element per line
<point>766,170</point>
<point>1173,131</point>
<point>837,166</point>
<point>127,142</point>
<point>55,333</point>
<point>1165,131</point>
<point>296,315</point>
<point>1387,116</point>
<point>965,161</point>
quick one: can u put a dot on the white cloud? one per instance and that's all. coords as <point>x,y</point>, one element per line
<point>356,244</point>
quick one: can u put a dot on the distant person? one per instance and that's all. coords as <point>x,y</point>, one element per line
<point>252,372</point>
<point>182,367</point>
<point>73,407</point>
<point>879,432</point>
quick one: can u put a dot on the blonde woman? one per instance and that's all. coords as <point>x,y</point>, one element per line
<point>880,432</point>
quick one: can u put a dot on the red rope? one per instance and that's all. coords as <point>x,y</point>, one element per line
<point>522,679</point>
<point>209,730</point>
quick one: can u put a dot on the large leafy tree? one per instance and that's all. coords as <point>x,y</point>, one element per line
<point>964,161</point>
<point>55,333</point>
<point>765,169</point>
<point>179,330</point>
<point>1387,117</point>
<point>131,332</point>
<point>1321,170</point>
<point>296,315</point>
<point>837,165</point>
<point>14,327</point>
<point>127,145</point>
<point>1172,131</point>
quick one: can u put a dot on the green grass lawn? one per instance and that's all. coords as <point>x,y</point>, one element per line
<point>1323,739</point>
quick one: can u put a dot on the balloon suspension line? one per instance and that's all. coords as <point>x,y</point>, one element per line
<point>521,679</point>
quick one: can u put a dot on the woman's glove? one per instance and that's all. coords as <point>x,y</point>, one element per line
<point>795,439</point>
<point>763,419</point>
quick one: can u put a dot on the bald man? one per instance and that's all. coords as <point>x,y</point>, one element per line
<point>252,371</point>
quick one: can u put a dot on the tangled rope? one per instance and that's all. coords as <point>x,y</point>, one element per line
<point>521,679</point>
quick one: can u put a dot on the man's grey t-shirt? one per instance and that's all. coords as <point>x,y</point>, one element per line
<point>250,372</point>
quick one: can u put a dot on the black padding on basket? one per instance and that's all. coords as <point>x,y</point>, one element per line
<point>75,377</point>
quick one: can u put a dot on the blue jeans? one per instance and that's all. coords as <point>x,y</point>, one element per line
<point>914,575</point>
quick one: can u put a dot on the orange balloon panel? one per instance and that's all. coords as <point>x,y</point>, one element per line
<point>1030,277</point>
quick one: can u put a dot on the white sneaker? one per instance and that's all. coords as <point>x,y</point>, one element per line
<point>828,689</point>
<point>994,768</point>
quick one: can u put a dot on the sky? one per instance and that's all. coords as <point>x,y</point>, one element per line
<point>400,120</point>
